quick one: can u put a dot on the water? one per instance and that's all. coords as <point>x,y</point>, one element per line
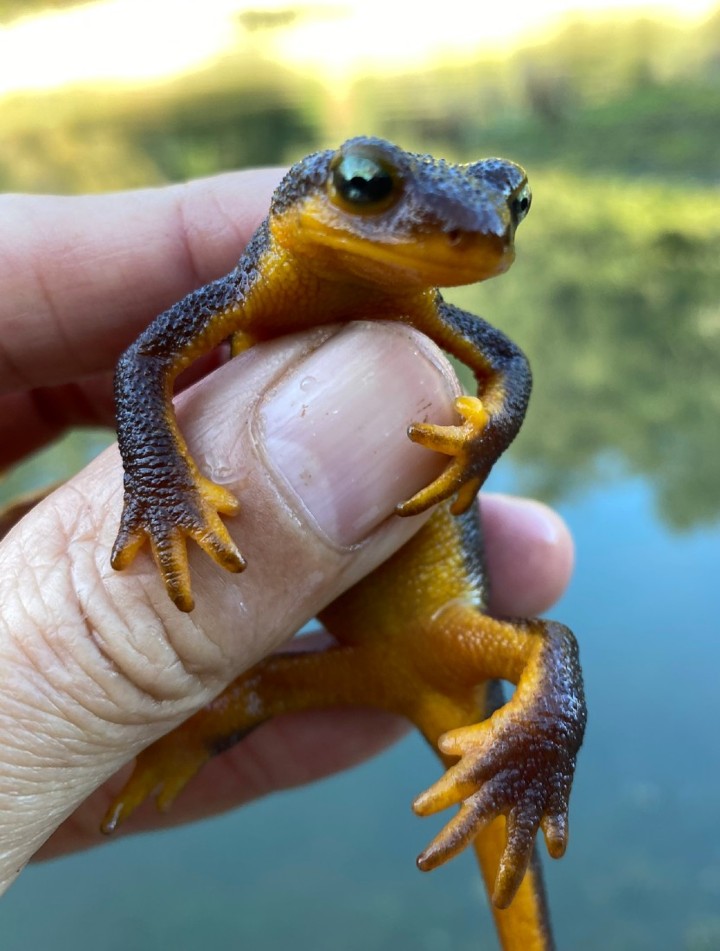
<point>332,866</point>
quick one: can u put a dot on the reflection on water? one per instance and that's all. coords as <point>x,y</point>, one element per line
<point>615,298</point>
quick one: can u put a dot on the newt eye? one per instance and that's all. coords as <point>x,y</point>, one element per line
<point>520,204</point>
<point>362,182</point>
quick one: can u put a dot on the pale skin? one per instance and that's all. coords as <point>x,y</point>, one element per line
<point>96,664</point>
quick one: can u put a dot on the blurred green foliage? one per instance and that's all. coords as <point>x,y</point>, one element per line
<point>615,298</point>
<point>628,98</point>
<point>52,465</point>
<point>659,130</point>
<point>11,9</point>
<point>615,293</point>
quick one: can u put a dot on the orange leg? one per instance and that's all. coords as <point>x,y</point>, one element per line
<point>282,683</point>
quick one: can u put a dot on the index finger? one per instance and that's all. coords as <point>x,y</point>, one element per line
<point>81,276</point>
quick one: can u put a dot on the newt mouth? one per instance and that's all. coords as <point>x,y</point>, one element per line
<point>427,258</point>
<point>442,259</point>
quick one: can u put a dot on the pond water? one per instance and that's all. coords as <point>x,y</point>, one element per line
<point>332,866</point>
<point>616,298</point>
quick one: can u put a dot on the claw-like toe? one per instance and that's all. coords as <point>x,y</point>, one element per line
<point>463,444</point>
<point>446,439</point>
<point>449,790</point>
<point>162,770</point>
<point>127,544</point>
<point>522,827</point>
<point>475,813</point>
<point>194,514</point>
<point>217,543</point>
<point>555,831</point>
<point>439,490</point>
<point>218,497</point>
<point>465,496</point>
<point>476,739</point>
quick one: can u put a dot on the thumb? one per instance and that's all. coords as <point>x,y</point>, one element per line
<point>309,432</point>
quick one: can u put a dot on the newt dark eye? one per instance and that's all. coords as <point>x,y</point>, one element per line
<point>363,183</point>
<point>520,204</point>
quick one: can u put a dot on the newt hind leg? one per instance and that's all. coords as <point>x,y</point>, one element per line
<point>509,772</point>
<point>282,683</point>
<point>519,761</point>
<point>512,764</point>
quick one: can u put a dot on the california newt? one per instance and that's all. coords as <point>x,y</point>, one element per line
<point>371,231</point>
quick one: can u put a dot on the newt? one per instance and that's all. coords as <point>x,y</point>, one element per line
<point>369,231</point>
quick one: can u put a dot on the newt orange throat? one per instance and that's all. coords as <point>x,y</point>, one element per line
<point>371,231</point>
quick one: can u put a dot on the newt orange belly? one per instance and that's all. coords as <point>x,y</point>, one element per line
<point>370,231</point>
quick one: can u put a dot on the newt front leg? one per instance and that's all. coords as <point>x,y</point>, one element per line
<point>491,419</point>
<point>167,499</point>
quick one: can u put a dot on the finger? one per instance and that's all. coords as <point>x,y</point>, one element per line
<point>103,663</point>
<point>322,743</point>
<point>529,552</point>
<point>29,419</point>
<point>80,277</point>
<point>291,751</point>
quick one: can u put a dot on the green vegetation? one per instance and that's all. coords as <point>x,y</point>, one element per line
<point>52,465</point>
<point>615,293</point>
<point>628,98</point>
<point>664,131</point>
<point>632,99</point>
<point>11,9</point>
<point>615,299</point>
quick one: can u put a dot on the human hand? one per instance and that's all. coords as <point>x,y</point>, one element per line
<point>96,664</point>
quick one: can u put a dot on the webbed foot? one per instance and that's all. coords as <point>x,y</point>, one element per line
<point>166,518</point>
<point>522,770</point>
<point>465,472</point>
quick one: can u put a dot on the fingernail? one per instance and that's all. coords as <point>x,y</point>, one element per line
<point>334,429</point>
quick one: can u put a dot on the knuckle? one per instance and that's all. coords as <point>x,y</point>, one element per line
<point>92,654</point>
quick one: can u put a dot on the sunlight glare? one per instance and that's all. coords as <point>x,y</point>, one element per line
<point>113,41</point>
<point>377,35</point>
<point>141,41</point>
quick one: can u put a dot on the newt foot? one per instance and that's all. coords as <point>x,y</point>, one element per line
<point>460,442</point>
<point>161,771</point>
<point>522,771</point>
<point>167,520</point>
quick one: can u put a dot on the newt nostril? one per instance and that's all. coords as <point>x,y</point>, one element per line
<point>454,236</point>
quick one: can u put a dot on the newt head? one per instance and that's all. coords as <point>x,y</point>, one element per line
<point>374,212</point>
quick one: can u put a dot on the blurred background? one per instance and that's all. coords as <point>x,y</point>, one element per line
<point>615,296</point>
